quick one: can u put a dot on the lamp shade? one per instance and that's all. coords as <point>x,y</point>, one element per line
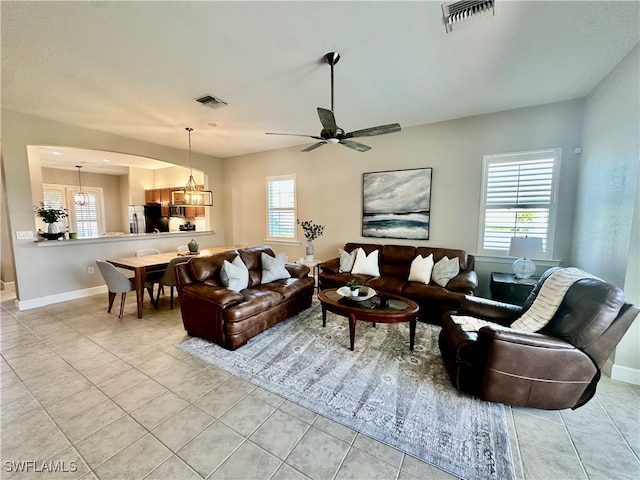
<point>525,247</point>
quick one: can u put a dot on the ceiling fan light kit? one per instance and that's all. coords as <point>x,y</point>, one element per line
<point>331,133</point>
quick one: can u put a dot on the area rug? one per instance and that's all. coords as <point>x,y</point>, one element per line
<point>382,389</point>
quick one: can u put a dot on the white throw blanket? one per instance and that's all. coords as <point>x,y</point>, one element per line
<point>543,308</point>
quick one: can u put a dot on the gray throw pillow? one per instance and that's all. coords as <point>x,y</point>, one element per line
<point>273,268</point>
<point>445,270</point>
<point>234,275</point>
<point>346,260</point>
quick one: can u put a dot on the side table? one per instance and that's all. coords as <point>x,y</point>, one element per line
<point>314,265</point>
<point>505,287</point>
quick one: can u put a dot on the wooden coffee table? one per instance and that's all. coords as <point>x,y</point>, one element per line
<point>398,310</point>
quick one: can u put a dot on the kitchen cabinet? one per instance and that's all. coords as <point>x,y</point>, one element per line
<point>161,196</point>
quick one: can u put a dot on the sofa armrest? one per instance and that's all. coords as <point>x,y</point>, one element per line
<point>491,310</point>
<point>297,270</point>
<point>464,282</point>
<point>331,266</point>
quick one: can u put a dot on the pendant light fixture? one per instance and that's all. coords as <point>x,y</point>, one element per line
<point>80,198</point>
<point>192,194</point>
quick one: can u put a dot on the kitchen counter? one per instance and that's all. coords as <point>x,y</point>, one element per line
<point>123,237</point>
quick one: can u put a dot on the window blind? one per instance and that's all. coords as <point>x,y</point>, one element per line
<point>87,218</point>
<point>518,199</point>
<point>281,204</point>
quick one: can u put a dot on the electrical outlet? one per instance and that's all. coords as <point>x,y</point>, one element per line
<point>24,235</point>
<point>90,271</point>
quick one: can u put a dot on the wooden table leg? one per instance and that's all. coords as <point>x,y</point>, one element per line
<point>139,285</point>
<point>324,316</point>
<point>412,332</point>
<point>352,329</point>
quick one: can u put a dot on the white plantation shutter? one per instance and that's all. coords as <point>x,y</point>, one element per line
<point>518,199</point>
<point>281,207</point>
<point>86,217</point>
<point>54,198</point>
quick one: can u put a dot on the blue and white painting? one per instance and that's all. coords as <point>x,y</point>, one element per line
<point>396,204</point>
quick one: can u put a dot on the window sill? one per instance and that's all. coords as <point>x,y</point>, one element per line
<point>509,260</point>
<point>282,241</point>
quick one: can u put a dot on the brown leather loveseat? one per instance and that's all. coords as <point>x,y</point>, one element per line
<point>553,368</point>
<point>230,318</point>
<point>395,263</point>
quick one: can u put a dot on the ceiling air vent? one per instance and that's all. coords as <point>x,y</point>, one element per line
<point>456,13</point>
<point>211,101</point>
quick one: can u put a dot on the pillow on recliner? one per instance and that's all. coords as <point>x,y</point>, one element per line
<point>273,268</point>
<point>445,270</point>
<point>234,275</point>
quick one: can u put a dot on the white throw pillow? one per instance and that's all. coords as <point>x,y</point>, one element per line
<point>346,260</point>
<point>421,268</point>
<point>445,270</point>
<point>366,264</point>
<point>234,275</point>
<point>273,268</point>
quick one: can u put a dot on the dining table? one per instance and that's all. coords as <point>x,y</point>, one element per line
<point>145,264</point>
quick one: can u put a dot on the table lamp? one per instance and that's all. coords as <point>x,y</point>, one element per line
<point>524,248</point>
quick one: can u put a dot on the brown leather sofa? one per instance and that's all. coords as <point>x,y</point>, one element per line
<point>554,368</point>
<point>395,264</point>
<point>229,318</point>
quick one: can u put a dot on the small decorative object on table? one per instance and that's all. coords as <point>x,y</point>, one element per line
<point>193,246</point>
<point>311,232</point>
<point>354,288</point>
<point>51,216</point>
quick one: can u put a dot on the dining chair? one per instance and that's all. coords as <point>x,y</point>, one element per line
<point>151,276</point>
<point>169,278</point>
<point>117,282</point>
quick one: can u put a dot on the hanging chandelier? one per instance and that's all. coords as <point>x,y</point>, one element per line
<point>192,194</point>
<point>80,198</point>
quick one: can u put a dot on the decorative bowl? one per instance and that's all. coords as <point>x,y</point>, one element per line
<point>346,292</point>
<point>51,236</point>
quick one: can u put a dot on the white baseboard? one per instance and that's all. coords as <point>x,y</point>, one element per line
<point>60,297</point>
<point>625,374</point>
<point>7,285</point>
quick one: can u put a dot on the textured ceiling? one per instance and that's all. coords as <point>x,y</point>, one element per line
<point>134,68</point>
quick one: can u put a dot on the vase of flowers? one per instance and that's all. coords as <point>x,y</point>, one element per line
<point>51,216</point>
<point>311,232</point>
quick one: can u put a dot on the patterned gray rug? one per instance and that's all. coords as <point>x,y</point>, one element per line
<point>382,389</point>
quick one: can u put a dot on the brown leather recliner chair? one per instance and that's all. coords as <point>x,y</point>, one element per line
<point>554,368</point>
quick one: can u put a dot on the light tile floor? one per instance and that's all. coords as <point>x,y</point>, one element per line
<point>106,398</point>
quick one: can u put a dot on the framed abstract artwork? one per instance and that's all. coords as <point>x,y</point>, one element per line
<point>396,204</point>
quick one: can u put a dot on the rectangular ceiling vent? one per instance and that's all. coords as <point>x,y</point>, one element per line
<point>457,13</point>
<point>211,101</point>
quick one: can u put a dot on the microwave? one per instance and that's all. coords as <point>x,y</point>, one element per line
<point>177,211</point>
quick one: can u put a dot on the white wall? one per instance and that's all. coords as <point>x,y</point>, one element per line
<point>330,178</point>
<point>50,271</point>
<point>606,223</point>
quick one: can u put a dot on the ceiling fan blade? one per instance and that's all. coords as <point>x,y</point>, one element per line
<point>313,147</point>
<point>370,132</point>
<point>296,135</point>
<point>355,145</point>
<point>327,119</point>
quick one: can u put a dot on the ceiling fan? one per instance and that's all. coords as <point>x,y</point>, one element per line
<point>331,133</point>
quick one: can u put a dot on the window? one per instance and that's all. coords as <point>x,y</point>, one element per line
<point>518,199</point>
<point>281,208</point>
<point>87,220</point>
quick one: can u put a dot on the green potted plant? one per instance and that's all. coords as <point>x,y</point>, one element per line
<point>51,216</point>
<point>354,287</point>
<point>311,232</point>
